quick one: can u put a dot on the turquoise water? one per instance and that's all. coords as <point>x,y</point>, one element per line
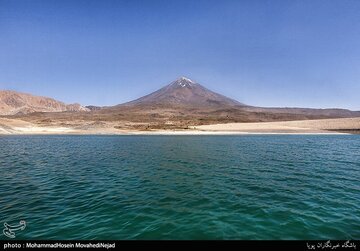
<point>181,187</point>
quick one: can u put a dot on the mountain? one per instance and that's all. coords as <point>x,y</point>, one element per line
<point>16,103</point>
<point>186,102</point>
<point>185,93</point>
<point>181,104</point>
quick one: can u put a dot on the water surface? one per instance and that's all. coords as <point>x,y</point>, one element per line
<point>181,187</point>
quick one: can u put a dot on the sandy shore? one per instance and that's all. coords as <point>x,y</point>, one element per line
<point>301,126</point>
<point>325,126</point>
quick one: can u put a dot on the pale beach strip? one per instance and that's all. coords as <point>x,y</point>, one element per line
<point>324,126</point>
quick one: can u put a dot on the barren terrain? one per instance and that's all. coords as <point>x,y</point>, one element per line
<point>324,126</point>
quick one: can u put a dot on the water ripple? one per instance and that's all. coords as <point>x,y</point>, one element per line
<point>181,187</point>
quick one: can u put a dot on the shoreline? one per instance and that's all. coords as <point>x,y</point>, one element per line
<point>170,133</point>
<point>344,126</point>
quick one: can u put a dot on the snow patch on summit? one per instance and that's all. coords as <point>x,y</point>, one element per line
<point>184,82</point>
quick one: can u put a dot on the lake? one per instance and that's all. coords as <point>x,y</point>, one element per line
<point>181,187</point>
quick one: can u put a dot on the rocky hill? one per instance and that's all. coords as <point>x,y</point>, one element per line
<point>16,103</point>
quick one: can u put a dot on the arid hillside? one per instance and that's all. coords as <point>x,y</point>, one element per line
<point>16,103</point>
<point>179,105</point>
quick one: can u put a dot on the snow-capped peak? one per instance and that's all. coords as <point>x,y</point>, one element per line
<point>184,82</point>
<point>187,79</point>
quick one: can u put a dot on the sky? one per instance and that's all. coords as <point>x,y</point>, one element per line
<point>263,53</point>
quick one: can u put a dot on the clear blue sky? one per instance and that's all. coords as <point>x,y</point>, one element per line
<point>265,53</point>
